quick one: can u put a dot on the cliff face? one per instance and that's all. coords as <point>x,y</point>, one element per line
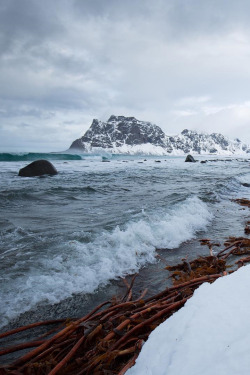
<point>122,134</point>
<point>120,130</point>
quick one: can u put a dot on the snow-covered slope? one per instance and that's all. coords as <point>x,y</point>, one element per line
<point>122,134</point>
<point>190,141</point>
<point>209,335</point>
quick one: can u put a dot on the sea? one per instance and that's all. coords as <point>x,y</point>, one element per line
<point>66,241</point>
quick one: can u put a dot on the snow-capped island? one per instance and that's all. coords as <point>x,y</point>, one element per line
<point>127,135</point>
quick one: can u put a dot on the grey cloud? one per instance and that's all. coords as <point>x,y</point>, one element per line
<point>171,18</point>
<point>67,60</point>
<point>27,21</point>
<point>18,112</point>
<point>112,9</point>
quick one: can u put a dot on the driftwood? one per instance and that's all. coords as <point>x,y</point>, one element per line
<point>247,227</point>
<point>108,340</point>
<point>243,202</point>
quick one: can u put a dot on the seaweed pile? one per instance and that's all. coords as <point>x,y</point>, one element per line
<point>108,339</point>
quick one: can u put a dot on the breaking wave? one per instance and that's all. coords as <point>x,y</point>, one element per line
<point>31,156</point>
<point>81,267</point>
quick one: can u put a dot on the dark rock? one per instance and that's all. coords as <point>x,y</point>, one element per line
<point>190,159</point>
<point>157,161</point>
<point>38,168</point>
<point>203,161</point>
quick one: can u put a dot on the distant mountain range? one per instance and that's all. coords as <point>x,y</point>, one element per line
<point>127,135</point>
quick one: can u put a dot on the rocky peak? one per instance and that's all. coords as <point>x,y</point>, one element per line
<point>185,132</point>
<point>121,118</point>
<point>127,134</point>
<point>119,131</point>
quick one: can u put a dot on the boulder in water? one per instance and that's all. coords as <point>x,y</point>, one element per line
<point>190,159</point>
<point>38,168</point>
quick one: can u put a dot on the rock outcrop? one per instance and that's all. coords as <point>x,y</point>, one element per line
<point>119,131</point>
<point>190,159</point>
<point>38,168</point>
<point>122,134</point>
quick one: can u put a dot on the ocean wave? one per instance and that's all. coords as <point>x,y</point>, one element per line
<point>83,267</point>
<point>235,186</point>
<point>31,156</point>
<point>244,180</point>
<point>60,189</point>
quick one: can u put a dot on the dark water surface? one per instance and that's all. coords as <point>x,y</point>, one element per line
<point>66,240</point>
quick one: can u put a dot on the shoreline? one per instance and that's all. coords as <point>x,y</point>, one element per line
<point>153,276</point>
<point>153,310</point>
<point>233,247</point>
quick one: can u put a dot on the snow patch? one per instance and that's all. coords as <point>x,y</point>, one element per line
<point>209,335</point>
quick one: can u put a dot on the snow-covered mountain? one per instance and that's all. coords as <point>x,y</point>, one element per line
<point>128,135</point>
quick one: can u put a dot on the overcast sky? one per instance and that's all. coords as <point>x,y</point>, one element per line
<point>177,63</point>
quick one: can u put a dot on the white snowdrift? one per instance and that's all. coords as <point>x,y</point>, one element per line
<point>210,335</point>
<point>150,149</point>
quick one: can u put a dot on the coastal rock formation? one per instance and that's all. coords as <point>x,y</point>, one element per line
<point>122,134</point>
<point>119,131</point>
<point>190,159</point>
<point>38,168</point>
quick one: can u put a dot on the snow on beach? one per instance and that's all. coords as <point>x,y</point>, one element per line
<point>209,335</point>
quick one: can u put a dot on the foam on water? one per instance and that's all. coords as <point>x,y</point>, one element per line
<point>83,267</point>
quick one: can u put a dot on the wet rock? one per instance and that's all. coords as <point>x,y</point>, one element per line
<point>38,168</point>
<point>190,159</point>
<point>203,161</point>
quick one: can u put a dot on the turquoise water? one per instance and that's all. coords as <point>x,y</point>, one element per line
<point>31,156</point>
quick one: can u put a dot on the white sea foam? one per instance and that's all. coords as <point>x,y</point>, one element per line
<point>82,267</point>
